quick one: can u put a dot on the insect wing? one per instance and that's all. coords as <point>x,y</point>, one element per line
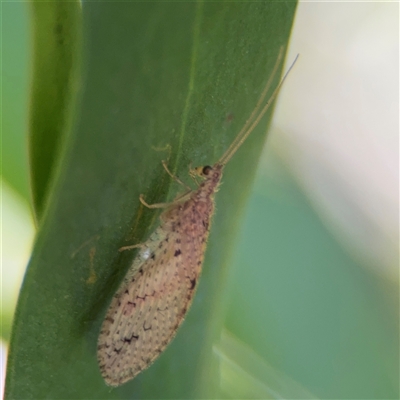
<point>145,313</point>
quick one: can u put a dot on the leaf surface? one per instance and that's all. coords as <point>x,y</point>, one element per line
<point>159,81</point>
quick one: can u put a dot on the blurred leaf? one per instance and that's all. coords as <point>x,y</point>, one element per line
<point>303,303</point>
<point>159,81</point>
<point>14,112</point>
<point>245,375</point>
<point>56,52</point>
<point>17,221</point>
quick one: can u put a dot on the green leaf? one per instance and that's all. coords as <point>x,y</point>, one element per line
<point>172,81</point>
<point>14,113</point>
<point>56,49</point>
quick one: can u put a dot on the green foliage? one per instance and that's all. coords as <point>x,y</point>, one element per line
<point>155,81</point>
<point>56,58</point>
<point>14,74</point>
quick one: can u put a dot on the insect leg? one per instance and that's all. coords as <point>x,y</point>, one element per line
<point>174,177</point>
<point>178,199</point>
<point>156,205</point>
<point>133,246</point>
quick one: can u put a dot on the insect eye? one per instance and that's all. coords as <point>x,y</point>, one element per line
<point>206,170</point>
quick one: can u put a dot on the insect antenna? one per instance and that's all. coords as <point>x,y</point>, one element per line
<point>259,103</point>
<point>251,123</point>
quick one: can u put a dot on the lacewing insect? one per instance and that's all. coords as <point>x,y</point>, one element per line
<point>158,289</point>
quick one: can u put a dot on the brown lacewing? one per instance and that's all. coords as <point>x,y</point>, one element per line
<point>158,289</point>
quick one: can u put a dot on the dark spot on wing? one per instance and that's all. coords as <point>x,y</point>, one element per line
<point>177,253</point>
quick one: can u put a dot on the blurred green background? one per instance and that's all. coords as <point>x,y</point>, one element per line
<point>306,316</point>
